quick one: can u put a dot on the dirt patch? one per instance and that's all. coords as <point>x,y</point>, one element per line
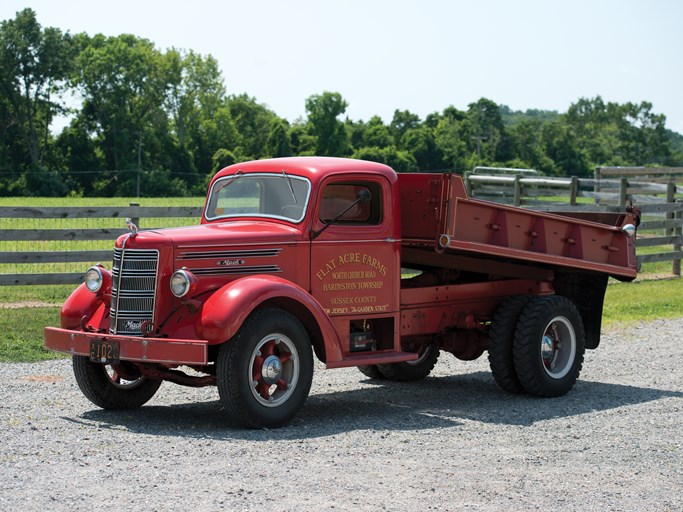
<point>42,378</point>
<point>27,304</point>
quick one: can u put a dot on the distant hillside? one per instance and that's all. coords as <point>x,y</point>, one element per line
<point>514,117</point>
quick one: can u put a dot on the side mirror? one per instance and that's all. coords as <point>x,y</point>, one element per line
<point>364,196</point>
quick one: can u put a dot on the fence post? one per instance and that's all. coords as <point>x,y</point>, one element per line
<point>596,184</point>
<point>674,230</point>
<point>135,220</point>
<point>676,265</point>
<point>573,190</point>
<point>518,191</point>
<point>623,192</point>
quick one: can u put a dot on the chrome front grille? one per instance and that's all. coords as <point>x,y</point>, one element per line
<point>134,281</point>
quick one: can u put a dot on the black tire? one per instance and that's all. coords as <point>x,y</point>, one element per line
<point>412,370</point>
<point>264,372</point>
<point>549,345</point>
<point>371,371</point>
<point>501,338</point>
<point>113,387</point>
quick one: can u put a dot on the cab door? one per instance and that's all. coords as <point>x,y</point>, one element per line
<point>355,257</point>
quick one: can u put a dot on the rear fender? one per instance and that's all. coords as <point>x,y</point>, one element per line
<point>226,310</point>
<point>587,291</point>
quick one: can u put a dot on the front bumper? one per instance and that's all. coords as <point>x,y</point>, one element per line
<point>144,350</point>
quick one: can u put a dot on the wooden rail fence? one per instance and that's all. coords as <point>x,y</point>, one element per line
<point>136,213</point>
<point>521,190</point>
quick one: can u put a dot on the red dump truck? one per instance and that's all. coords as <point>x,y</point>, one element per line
<point>349,262</point>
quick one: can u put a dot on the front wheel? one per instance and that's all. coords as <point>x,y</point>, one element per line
<point>549,345</point>
<point>120,386</point>
<point>264,372</point>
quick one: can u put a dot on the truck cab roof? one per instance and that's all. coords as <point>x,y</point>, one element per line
<point>315,168</point>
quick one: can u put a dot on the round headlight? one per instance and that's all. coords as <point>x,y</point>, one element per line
<point>180,283</point>
<point>93,279</point>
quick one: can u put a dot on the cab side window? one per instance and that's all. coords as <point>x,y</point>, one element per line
<point>340,197</point>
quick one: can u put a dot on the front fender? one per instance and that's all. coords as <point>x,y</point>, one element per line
<point>226,310</point>
<point>81,303</point>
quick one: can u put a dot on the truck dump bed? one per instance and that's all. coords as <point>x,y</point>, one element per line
<point>438,217</point>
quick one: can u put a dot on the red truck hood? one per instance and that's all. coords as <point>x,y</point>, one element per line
<point>234,233</point>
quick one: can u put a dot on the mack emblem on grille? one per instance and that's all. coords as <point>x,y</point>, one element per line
<point>133,325</point>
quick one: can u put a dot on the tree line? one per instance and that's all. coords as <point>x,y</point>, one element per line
<point>160,123</point>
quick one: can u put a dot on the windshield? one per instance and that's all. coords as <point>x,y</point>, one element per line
<point>280,196</point>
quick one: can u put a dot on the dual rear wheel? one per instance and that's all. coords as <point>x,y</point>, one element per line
<point>536,345</point>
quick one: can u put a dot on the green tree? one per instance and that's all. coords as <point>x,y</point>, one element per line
<point>528,147</point>
<point>277,144</point>
<point>323,111</point>
<point>487,135</point>
<point>215,132</point>
<point>614,134</point>
<point>35,64</point>
<point>421,144</point>
<point>302,142</point>
<point>122,83</point>
<point>403,121</point>
<point>252,122</point>
<point>79,155</point>
<point>561,146</point>
<point>195,98</point>
<point>377,134</point>
<point>452,134</point>
<point>355,131</point>
<point>400,161</point>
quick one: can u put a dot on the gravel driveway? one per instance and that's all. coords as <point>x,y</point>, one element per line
<point>454,441</point>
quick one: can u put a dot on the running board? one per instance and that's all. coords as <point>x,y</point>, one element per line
<point>369,358</point>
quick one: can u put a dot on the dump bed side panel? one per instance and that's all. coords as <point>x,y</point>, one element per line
<point>437,215</point>
<point>498,230</point>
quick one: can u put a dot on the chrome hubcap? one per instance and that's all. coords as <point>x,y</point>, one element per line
<point>120,378</point>
<point>275,370</point>
<point>272,369</point>
<point>558,347</point>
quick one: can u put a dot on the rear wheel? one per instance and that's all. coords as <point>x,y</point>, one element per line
<point>371,371</point>
<point>549,345</point>
<point>120,386</point>
<point>412,370</point>
<point>501,336</point>
<point>264,372</point>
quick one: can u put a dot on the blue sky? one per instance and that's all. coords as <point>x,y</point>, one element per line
<point>417,55</point>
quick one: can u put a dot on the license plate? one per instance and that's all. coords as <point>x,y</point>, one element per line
<point>104,351</point>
